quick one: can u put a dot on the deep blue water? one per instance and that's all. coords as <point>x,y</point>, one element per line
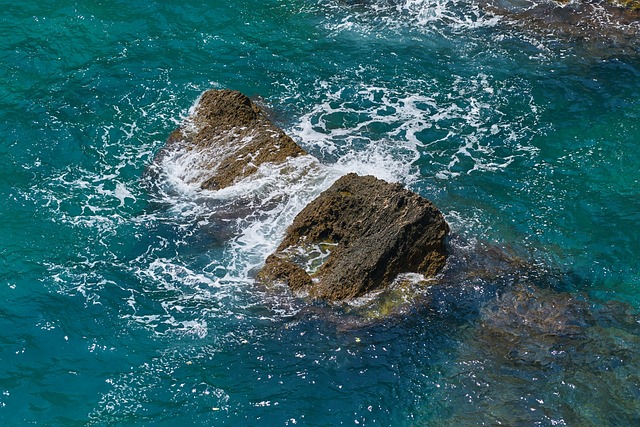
<point>125,303</point>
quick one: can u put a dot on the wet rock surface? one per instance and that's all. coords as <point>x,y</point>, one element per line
<point>226,139</point>
<point>598,25</point>
<point>355,238</point>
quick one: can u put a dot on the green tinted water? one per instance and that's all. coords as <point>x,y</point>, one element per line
<point>125,306</point>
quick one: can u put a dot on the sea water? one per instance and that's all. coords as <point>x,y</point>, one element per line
<point>130,302</point>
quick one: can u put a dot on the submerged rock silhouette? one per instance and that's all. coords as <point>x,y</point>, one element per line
<point>356,237</point>
<point>553,342</point>
<point>606,27</point>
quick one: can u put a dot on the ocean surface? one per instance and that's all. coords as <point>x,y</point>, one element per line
<point>126,302</point>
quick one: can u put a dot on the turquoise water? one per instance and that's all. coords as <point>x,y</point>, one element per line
<point>125,302</point>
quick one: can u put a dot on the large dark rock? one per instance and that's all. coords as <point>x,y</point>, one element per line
<point>226,139</point>
<point>356,237</point>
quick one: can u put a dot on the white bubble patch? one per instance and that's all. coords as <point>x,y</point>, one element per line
<point>385,132</point>
<point>427,16</point>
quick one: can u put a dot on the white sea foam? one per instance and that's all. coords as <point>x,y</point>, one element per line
<point>426,16</point>
<point>380,130</point>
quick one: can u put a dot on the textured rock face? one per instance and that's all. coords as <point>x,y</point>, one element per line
<point>356,237</point>
<point>227,139</point>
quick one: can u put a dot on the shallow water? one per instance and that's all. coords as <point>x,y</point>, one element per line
<point>130,302</point>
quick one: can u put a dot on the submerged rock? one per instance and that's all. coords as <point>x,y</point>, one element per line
<point>355,238</point>
<point>598,25</point>
<point>532,346</point>
<point>226,139</point>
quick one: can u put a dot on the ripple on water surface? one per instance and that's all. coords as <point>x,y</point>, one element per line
<point>134,303</point>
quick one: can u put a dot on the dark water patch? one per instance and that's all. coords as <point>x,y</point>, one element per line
<point>541,357</point>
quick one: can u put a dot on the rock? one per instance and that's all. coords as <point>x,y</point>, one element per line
<point>547,343</point>
<point>281,270</point>
<point>355,238</point>
<point>628,4</point>
<point>526,322</point>
<point>603,27</point>
<point>226,139</point>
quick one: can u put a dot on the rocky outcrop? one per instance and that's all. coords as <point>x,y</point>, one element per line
<point>355,238</point>
<point>226,139</point>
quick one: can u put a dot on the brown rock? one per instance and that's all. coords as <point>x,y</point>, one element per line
<point>228,138</point>
<point>280,270</point>
<point>356,237</point>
